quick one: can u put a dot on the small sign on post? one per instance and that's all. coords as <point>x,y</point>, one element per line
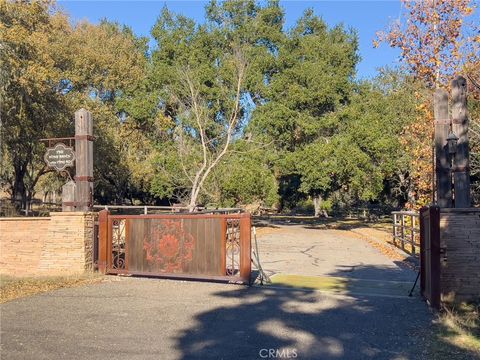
<point>76,195</point>
<point>60,157</point>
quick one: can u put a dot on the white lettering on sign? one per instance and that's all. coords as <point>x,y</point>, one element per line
<point>60,157</point>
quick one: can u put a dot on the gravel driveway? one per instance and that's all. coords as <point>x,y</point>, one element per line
<point>297,249</point>
<point>135,318</point>
<point>139,318</point>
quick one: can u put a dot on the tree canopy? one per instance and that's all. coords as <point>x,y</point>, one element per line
<point>235,110</point>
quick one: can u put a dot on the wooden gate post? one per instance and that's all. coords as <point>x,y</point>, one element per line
<point>102,240</point>
<point>434,257</point>
<point>430,255</point>
<point>460,128</point>
<point>245,247</point>
<point>424,211</point>
<point>442,158</point>
<point>84,160</point>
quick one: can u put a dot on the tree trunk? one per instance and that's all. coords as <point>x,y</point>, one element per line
<point>19,195</point>
<point>317,203</point>
<point>193,201</point>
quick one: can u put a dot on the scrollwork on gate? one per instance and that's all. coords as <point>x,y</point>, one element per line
<point>118,244</point>
<point>233,247</point>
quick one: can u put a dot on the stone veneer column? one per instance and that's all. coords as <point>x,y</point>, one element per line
<point>69,245</point>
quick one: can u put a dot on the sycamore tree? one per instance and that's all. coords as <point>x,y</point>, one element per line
<point>436,38</point>
<point>244,177</point>
<point>433,37</point>
<point>206,77</point>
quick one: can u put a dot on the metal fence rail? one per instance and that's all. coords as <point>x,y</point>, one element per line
<point>149,209</point>
<point>406,231</point>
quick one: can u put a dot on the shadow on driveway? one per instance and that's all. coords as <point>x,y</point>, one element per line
<point>306,324</point>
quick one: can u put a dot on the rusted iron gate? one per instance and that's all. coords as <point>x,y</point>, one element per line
<point>430,254</point>
<point>405,230</point>
<point>186,246</point>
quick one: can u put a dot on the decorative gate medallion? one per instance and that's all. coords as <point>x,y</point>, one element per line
<point>168,246</point>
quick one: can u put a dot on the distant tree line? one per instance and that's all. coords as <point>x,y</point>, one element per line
<point>236,110</point>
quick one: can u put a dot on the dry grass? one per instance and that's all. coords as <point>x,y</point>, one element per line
<point>260,231</point>
<point>379,239</point>
<point>460,326</point>
<point>17,287</point>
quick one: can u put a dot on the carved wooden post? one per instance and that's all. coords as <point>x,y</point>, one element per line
<point>84,160</point>
<point>68,196</point>
<point>460,128</point>
<point>442,158</point>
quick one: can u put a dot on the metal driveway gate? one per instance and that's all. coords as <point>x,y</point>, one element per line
<point>430,254</point>
<point>188,246</point>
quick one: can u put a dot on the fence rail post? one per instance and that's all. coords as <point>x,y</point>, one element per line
<point>403,231</point>
<point>395,229</point>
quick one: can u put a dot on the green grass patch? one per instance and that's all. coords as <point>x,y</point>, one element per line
<point>310,282</point>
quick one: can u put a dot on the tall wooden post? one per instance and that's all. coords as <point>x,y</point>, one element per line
<point>442,157</point>
<point>84,160</point>
<point>460,128</point>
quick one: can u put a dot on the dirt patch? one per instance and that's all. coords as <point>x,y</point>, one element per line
<point>265,230</point>
<point>17,287</point>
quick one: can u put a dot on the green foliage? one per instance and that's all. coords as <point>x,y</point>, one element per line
<point>203,76</point>
<point>31,68</point>
<point>234,111</point>
<point>244,178</point>
<point>49,70</point>
<point>315,67</point>
<point>363,150</point>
